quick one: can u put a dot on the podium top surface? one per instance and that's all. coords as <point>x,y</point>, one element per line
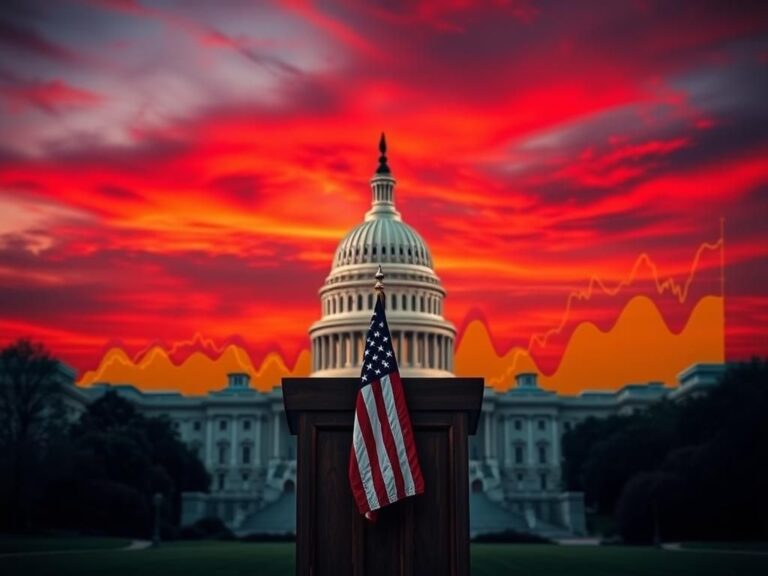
<point>422,395</point>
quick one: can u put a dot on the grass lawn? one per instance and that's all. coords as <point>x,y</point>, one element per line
<point>736,546</point>
<point>16,544</point>
<point>540,560</point>
<point>236,558</point>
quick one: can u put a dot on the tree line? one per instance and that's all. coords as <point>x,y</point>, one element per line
<point>97,474</point>
<point>692,470</point>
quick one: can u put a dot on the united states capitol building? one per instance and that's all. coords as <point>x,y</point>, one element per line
<point>242,436</point>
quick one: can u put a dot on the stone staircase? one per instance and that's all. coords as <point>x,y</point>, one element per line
<point>278,517</point>
<point>486,516</point>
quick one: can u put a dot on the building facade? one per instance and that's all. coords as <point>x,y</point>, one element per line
<point>515,459</point>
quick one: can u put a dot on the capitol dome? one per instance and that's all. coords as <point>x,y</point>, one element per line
<point>423,339</point>
<point>385,240</point>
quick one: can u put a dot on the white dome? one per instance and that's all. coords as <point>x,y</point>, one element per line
<point>383,240</point>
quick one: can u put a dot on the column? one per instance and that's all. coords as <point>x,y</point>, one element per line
<point>209,442</point>
<point>257,442</point>
<point>529,448</point>
<point>434,351</point>
<point>555,443</point>
<point>487,417</point>
<point>348,339</point>
<point>418,349</point>
<point>276,439</point>
<point>337,351</point>
<point>508,441</point>
<point>396,344</point>
<point>233,455</point>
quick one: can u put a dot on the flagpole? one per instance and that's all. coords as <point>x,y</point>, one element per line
<point>379,286</point>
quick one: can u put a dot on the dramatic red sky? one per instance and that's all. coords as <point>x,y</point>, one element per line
<point>177,168</point>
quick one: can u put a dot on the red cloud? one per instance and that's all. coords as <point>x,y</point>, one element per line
<point>51,96</point>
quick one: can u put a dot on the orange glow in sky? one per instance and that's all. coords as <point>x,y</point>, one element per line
<point>177,173</point>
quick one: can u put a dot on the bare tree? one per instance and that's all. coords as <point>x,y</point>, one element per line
<point>28,393</point>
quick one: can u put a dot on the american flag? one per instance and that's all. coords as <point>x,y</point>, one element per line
<point>383,465</point>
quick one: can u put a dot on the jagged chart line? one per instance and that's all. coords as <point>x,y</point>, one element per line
<point>679,291</point>
<point>198,337</point>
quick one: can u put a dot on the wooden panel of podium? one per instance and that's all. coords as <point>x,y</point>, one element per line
<point>426,534</point>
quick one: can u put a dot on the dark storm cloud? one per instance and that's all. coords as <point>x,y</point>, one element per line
<point>25,40</point>
<point>617,223</point>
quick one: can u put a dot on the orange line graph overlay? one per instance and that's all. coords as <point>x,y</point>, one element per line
<point>680,291</point>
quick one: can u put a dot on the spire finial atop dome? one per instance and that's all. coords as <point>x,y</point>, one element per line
<point>379,286</point>
<point>383,167</point>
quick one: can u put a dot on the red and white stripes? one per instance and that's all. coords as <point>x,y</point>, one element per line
<point>383,465</point>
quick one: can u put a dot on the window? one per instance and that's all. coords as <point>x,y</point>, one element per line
<point>520,477</point>
<point>246,454</point>
<point>221,481</point>
<point>518,424</point>
<point>405,299</point>
<point>543,481</point>
<point>349,303</point>
<point>370,301</point>
<point>422,304</point>
<point>542,454</point>
<point>359,301</point>
<point>222,425</point>
<point>246,476</point>
<point>333,305</point>
<point>394,301</point>
<point>413,302</point>
<point>246,424</point>
<point>542,424</point>
<point>197,425</point>
<point>222,454</point>
<point>518,454</point>
<point>341,304</point>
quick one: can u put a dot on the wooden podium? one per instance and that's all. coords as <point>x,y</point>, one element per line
<point>422,535</point>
